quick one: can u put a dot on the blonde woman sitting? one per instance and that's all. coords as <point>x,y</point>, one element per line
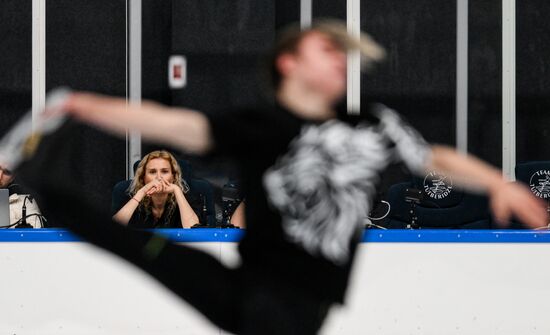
<point>158,199</point>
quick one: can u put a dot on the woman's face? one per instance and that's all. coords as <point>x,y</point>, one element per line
<point>158,168</point>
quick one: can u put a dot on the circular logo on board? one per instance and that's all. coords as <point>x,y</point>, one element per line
<point>437,185</point>
<point>540,184</point>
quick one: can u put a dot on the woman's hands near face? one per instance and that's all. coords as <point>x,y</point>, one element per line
<point>169,187</point>
<point>159,186</point>
<point>155,186</point>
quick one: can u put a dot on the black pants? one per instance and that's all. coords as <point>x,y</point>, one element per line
<point>238,300</point>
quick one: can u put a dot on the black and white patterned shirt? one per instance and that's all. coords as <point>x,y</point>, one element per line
<point>310,185</point>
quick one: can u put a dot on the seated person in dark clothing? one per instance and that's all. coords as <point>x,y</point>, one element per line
<point>158,199</point>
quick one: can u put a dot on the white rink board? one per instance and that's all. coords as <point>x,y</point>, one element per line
<point>447,288</point>
<point>397,288</point>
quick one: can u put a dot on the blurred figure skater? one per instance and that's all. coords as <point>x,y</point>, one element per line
<point>309,173</point>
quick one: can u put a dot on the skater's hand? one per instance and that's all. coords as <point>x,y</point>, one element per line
<point>516,199</point>
<point>58,102</point>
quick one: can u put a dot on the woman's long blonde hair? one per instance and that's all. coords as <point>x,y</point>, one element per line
<point>139,180</point>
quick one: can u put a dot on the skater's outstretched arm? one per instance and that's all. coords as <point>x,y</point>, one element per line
<point>506,198</point>
<point>180,127</point>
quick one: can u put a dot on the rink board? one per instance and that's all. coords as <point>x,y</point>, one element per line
<point>404,282</point>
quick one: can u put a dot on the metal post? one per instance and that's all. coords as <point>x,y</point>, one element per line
<point>305,13</point>
<point>354,57</point>
<point>508,87</point>
<point>134,78</point>
<point>38,58</point>
<point>462,75</point>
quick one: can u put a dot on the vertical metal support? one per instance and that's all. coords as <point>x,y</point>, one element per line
<point>306,10</point>
<point>38,58</point>
<point>462,75</point>
<point>134,77</point>
<point>508,87</point>
<point>354,57</point>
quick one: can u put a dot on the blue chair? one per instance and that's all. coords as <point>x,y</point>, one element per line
<point>441,206</point>
<point>200,195</point>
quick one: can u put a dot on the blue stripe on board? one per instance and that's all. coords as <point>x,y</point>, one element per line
<point>177,235</point>
<point>371,235</point>
<point>456,236</point>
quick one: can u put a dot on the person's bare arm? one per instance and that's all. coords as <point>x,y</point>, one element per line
<point>184,128</point>
<point>506,198</point>
<point>124,214</point>
<point>188,217</point>
<point>238,217</point>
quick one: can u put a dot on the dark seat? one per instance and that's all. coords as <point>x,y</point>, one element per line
<point>200,195</point>
<point>536,175</point>
<point>441,206</point>
<point>232,196</point>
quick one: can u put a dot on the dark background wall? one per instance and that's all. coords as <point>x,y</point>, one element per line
<point>156,48</point>
<point>86,50</point>
<point>533,80</point>
<point>485,80</point>
<point>222,40</point>
<point>417,78</point>
<point>15,61</point>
